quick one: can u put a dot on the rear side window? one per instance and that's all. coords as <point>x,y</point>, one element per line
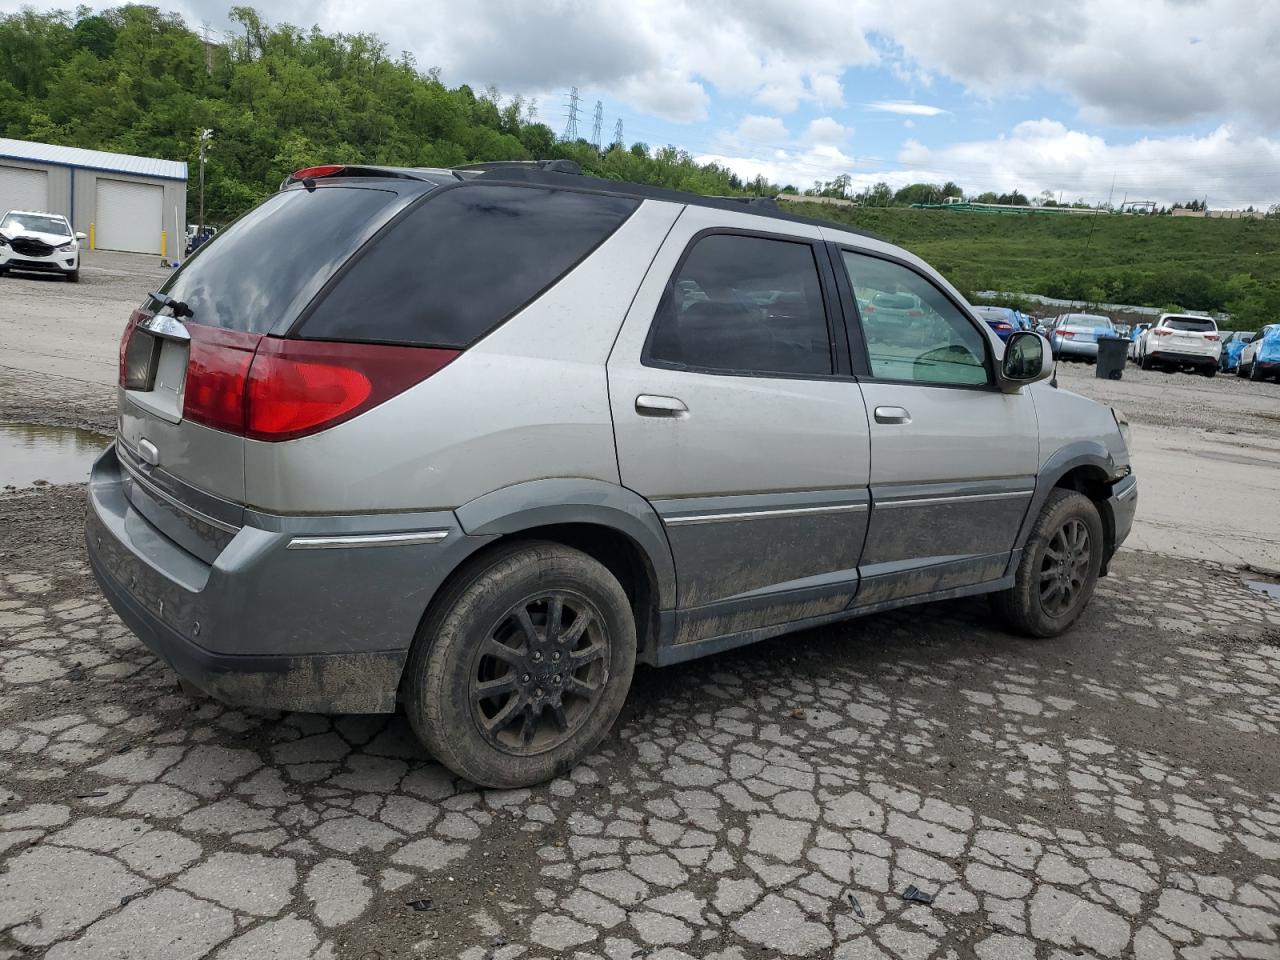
<point>264,268</point>
<point>741,304</point>
<point>1190,324</point>
<point>463,262</point>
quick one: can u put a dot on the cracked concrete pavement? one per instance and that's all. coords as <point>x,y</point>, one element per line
<point>1111,793</point>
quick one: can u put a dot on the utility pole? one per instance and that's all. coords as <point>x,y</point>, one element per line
<point>617,132</point>
<point>571,124</point>
<point>596,123</point>
<point>208,49</point>
<point>204,143</point>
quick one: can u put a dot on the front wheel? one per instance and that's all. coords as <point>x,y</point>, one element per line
<point>74,276</point>
<point>1059,567</point>
<point>1255,374</point>
<point>523,665</point>
<point>1145,363</point>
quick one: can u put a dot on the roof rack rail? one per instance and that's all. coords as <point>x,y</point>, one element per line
<point>768,203</point>
<point>546,166</point>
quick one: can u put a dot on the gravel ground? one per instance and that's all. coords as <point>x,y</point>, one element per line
<point>1111,793</point>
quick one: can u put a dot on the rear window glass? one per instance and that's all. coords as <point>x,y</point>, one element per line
<point>1190,324</point>
<point>267,266</point>
<point>462,263</point>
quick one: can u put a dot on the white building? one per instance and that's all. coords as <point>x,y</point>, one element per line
<point>122,202</point>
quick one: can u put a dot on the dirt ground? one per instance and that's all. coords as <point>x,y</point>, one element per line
<point>1111,793</point>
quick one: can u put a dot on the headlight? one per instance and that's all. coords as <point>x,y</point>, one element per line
<point>67,247</point>
<point>1122,422</point>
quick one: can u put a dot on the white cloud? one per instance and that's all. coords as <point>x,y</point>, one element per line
<point>757,129</point>
<point>1232,168</point>
<point>908,108</point>
<point>826,130</point>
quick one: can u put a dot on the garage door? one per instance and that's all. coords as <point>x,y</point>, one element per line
<point>129,216</point>
<point>23,189</point>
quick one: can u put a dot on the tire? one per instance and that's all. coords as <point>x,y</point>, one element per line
<point>1024,607</point>
<point>1145,363</point>
<point>1240,369</point>
<point>1209,372</point>
<point>74,276</point>
<point>477,615</point>
<point>1254,373</point>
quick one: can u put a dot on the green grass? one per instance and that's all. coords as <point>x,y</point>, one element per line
<point>1149,261</point>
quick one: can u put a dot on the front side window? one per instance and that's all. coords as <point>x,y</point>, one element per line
<point>742,304</point>
<point>912,331</point>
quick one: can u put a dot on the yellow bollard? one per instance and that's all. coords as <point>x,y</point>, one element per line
<point>164,239</point>
<point>91,237</point>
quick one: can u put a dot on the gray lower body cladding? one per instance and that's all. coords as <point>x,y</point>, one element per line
<point>264,625</point>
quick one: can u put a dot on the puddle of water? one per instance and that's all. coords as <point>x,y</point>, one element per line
<point>31,452</point>
<point>1270,589</point>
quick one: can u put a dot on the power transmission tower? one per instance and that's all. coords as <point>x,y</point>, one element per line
<point>571,123</point>
<point>596,122</point>
<point>617,132</point>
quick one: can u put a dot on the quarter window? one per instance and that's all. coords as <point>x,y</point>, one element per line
<point>912,330</point>
<point>741,304</point>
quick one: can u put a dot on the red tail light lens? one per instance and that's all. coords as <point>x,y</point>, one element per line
<point>1161,333</point>
<point>270,389</point>
<point>314,173</point>
<point>124,345</point>
<point>1068,334</point>
<point>298,387</point>
<point>1211,336</point>
<point>217,376</point>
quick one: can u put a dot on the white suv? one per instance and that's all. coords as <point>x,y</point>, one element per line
<point>39,241</point>
<point>1180,340</point>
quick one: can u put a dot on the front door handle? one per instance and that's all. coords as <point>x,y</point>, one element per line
<point>892,415</point>
<point>648,405</point>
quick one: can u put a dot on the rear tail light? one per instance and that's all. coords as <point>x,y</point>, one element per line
<point>1162,333</point>
<point>270,389</point>
<point>1212,336</point>
<point>1066,333</point>
<point>1003,326</point>
<point>124,345</point>
<point>297,387</point>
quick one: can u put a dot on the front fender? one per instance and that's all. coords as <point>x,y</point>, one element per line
<point>558,500</point>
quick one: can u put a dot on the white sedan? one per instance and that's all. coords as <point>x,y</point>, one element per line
<point>39,241</point>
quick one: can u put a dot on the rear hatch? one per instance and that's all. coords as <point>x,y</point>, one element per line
<point>1188,335</point>
<point>186,353</point>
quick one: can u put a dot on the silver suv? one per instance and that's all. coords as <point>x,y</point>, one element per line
<point>476,442</point>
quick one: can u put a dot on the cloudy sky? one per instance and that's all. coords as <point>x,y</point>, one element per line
<point>1151,99</point>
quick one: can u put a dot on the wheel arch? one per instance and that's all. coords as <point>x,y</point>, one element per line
<point>613,525</point>
<point>1086,467</point>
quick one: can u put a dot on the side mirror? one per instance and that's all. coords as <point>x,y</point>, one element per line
<point>82,236</point>
<point>1028,358</point>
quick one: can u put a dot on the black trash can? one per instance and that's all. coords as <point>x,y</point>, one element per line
<point>1112,354</point>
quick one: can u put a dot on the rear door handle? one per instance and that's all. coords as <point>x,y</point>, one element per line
<point>648,405</point>
<point>892,415</point>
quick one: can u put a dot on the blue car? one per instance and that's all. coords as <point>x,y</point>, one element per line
<point>1003,320</point>
<point>1232,346</point>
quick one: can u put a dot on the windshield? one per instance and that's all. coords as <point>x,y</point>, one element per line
<point>265,268</point>
<point>15,223</point>
<point>1190,323</point>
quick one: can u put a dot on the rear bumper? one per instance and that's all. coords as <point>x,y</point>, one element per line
<point>1076,349</point>
<point>266,625</point>
<point>1202,359</point>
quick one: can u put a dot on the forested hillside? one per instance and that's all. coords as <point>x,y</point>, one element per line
<point>277,98</point>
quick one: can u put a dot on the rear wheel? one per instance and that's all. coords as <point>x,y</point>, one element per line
<point>523,666</point>
<point>1209,371</point>
<point>1059,567</point>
